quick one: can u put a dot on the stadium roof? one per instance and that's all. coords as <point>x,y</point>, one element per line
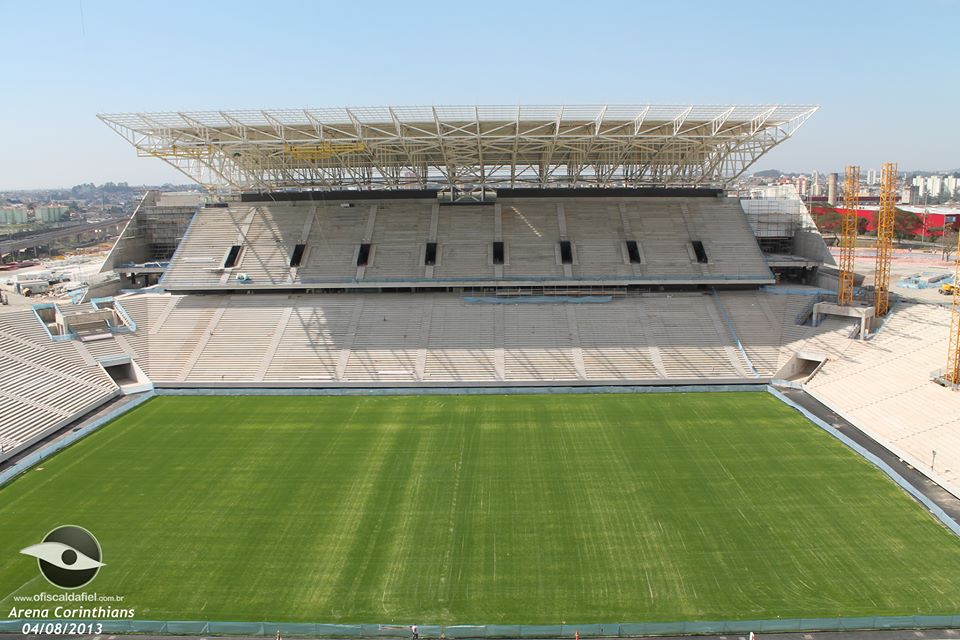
<point>467,147</point>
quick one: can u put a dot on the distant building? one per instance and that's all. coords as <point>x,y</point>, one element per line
<point>935,186</point>
<point>871,177</point>
<point>16,214</point>
<point>832,189</point>
<point>910,194</point>
<point>953,185</point>
<point>50,212</point>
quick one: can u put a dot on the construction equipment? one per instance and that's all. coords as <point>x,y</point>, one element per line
<point>946,289</point>
<point>885,218</point>
<point>952,373</point>
<point>848,234</point>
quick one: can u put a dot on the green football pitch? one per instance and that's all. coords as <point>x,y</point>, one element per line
<point>534,509</point>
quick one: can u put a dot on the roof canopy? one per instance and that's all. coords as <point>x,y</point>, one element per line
<point>467,147</point>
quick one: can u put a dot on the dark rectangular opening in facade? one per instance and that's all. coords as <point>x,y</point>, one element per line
<point>430,257</point>
<point>364,254</point>
<point>121,373</point>
<point>633,250</point>
<point>297,257</point>
<point>232,257</point>
<point>700,251</point>
<point>566,252</point>
<point>498,253</point>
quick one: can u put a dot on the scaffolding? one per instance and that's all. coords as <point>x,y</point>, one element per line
<point>775,214</point>
<point>952,372</point>
<point>885,218</point>
<point>153,233</point>
<point>848,234</point>
<point>160,229</point>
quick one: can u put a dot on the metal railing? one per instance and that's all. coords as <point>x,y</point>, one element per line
<point>181,283</point>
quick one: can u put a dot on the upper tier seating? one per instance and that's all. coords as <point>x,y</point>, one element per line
<point>464,239</point>
<point>531,235</point>
<point>199,258</point>
<point>531,230</point>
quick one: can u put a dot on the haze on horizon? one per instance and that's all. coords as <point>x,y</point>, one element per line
<point>881,72</point>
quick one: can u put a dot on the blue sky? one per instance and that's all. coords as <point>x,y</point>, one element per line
<point>884,73</point>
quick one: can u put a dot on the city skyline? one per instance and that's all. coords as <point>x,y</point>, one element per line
<point>100,56</point>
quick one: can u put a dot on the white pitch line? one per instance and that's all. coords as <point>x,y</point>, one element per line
<point>18,588</point>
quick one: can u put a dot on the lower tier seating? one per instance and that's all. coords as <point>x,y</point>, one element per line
<point>431,338</point>
<point>43,384</point>
<point>376,339</point>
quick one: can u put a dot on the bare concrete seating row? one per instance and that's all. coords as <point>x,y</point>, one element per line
<point>883,386</point>
<point>432,338</point>
<point>44,384</point>
<point>295,244</point>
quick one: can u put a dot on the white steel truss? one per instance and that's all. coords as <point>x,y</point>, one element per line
<point>465,147</point>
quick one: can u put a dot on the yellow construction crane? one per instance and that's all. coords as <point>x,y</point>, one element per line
<point>952,373</point>
<point>885,218</point>
<point>848,233</point>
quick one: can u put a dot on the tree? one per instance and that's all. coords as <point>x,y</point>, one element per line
<point>906,224</point>
<point>827,219</point>
<point>948,241</point>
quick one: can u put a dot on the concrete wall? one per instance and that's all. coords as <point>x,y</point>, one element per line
<point>810,245</point>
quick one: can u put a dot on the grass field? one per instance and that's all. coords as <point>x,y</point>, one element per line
<point>482,509</point>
